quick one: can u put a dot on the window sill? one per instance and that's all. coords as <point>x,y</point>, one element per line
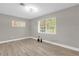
<point>45,33</point>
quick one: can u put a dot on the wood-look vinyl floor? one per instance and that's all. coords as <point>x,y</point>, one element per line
<point>30,47</point>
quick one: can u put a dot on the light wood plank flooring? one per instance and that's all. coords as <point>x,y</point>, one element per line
<point>30,47</point>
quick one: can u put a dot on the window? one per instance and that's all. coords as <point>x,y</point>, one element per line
<point>47,26</point>
<point>18,23</point>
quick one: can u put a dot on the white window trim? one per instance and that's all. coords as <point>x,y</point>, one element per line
<point>46,33</point>
<point>43,32</point>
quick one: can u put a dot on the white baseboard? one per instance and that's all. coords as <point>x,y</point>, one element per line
<point>54,43</point>
<point>13,40</point>
<point>62,45</point>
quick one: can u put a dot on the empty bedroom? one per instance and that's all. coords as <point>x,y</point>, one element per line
<point>39,29</point>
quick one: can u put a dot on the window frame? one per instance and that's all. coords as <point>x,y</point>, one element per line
<point>18,24</point>
<point>46,26</point>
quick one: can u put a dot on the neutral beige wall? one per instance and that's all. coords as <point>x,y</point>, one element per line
<point>67,27</point>
<point>6,30</point>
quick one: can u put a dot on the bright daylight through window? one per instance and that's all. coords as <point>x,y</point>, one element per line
<point>18,23</point>
<point>47,26</point>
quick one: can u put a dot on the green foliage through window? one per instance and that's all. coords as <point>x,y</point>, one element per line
<point>47,26</point>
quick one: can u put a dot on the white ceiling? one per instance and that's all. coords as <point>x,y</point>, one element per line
<point>15,9</point>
